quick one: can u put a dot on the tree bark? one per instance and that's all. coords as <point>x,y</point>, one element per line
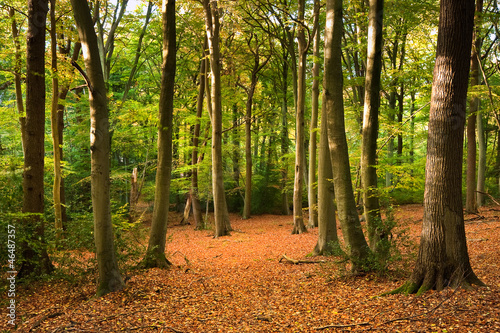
<point>312,190</point>
<point>222,225</point>
<point>298,219</point>
<point>443,259</point>
<point>327,224</point>
<point>476,104</point>
<point>17,76</point>
<point>194,190</point>
<point>155,254</point>
<point>36,259</point>
<point>56,189</point>
<point>370,124</point>
<point>109,275</point>
<point>333,101</point>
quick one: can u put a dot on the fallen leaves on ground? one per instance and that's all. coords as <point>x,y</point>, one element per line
<point>238,284</point>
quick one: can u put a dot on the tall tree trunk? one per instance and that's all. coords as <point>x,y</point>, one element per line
<point>155,254</point>
<point>63,93</point>
<point>333,90</point>
<point>298,219</point>
<point>195,201</point>
<point>327,224</point>
<point>443,259</point>
<point>370,124</point>
<point>56,189</point>
<point>220,207</point>
<point>17,76</point>
<point>312,192</point>
<point>135,66</point>
<point>476,105</point>
<point>285,207</point>
<point>109,275</point>
<point>34,249</point>
<point>248,149</point>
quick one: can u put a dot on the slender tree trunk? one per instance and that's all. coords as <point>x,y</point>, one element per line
<point>109,275</point>
<point>443,258</point>
<point>134,68</point>
<point>63,92</point>
<point>155,254</point>
<point>196,138</point>
<point>327,224</point>
<point>476,105</point>
<point>370,124</point>
<point>298,219</point>
<point>220,207</point>
<point>56,189</point>
<point>34,249</point>
<point>333,90</point>
<point>312,192</point>
<point>248,149</point>
<point>285,206</point>
<point>17,76</point>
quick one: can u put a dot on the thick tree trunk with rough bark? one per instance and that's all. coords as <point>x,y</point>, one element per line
<point>155,254</point>
<point>370,124</point>
<point>36,260</point>
<point>109,275</point>
<point>443,259</point>
<point>358,249</point>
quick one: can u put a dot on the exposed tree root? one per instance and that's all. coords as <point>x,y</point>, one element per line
<point>155,260</point>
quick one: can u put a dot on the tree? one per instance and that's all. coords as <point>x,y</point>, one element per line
<point>370,123</point>
<point>312,193</point>
<point>155,253</point>
<point>36,259</point>
<point>109,275</point>
<point>443,259</point>
<point>327,224</point>
<point>220,208</point>
<point>337,141</point>
<point>298,219</point>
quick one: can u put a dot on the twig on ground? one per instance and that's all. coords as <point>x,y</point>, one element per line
<point>300,261</point>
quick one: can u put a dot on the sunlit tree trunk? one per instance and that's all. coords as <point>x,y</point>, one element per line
<point>443,258</point>
<point>155,254</point>
<point>17,76</point>
<point>36,260</point>
<point>333,102</point>
<point>370,124</point>
<point>56,189</point>
<point>475,80</point>
<point>327,224</point>
<point>285,206</point>
<point>298,219</point>
<point>109,275</point>
<point>220,208</point>
<point>312,192</point>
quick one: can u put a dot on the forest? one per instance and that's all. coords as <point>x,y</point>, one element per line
<point>250,165</point>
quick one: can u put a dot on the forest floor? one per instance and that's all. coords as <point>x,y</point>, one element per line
<point>238,284</point>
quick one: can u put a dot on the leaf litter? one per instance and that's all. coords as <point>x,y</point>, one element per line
<point>238,284</point>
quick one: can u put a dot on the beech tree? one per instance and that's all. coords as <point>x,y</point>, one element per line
<point>109,275</point>
<point>337,141</point>
<point>370,123</point>
<point>36,259</point>
<point>443,258</point>
<point>155,254</point>
<point>222,225</point>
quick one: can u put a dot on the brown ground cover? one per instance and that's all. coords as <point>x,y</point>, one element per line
<point>238,284</point>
